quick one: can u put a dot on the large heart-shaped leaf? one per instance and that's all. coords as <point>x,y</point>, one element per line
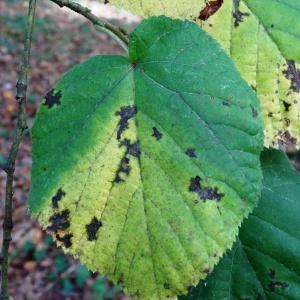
<point>263,38</point>
<point>265,262</point>
<point>144,167</point>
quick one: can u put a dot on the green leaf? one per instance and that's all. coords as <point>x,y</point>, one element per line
<point>145,166</point>
<point>263,39</point>
<point>265,262</point>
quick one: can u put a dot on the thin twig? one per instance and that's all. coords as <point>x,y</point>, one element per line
<point>117,33</point>
<point>9,167</point>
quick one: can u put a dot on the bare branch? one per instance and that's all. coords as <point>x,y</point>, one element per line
<point>9,168</point>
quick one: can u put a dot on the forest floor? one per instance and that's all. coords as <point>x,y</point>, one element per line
<point>38,269</point>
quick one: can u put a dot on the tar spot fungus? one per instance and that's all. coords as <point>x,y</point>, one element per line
<point>286,105</point>
<point>124,168</point>
<point>60,221</point>
<point>66,239</point>
<point>57,197</point>
<point>166,286</point>
<point>191,152</point>
<point>206,271</point>
<point>286,139</point>
<point>204,193</point>
<point>211,8</point>
<point>92,229</point>
<point>276,283</point>
<point>125,113</point>
<point>52,98</point>
<point>254,111</point>
<point>158,135</point>
<point>132,149</point>
<point>237,14</point>
<point>293,74</point>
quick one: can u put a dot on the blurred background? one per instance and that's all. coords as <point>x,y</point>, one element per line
<point>62,38</point>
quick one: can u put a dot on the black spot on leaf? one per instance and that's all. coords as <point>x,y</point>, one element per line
<point>166,286</point>
<point>191,152</point>
<point>286,105</point>
<point>52,98</point>
<point>211,8</point>
<point>254,111</point>
<point>125,113</point>
<point>60,221</point>
<point>92,229</point>
<point>66,239</point>
<point>287,122</point>
<point>272,274</point>
<point>204,193</point>
<point>58,196</point>
<point>286,139</point>
<point>276,283</point>
<point>158,135</point>
<point>132,149</point>
<point>124,168</point>
<point>237,14</point>
<point>293,74</point>
<point>206,271</point>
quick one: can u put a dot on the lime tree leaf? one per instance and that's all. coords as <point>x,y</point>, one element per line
<point>144,167</point>
<point>263,38</point>
<point>264,263</point>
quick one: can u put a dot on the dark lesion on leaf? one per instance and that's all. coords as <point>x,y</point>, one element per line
<point>211,8</point>
<point>286,139</point>
<point>293,74</point>
<point>57,197</point>
<point>124,166</point>
<point>206,271</point>
<point>126,113</point>
<point>65,239</point>
<point>166,286</point>
<point>276,283</point>
<point>237,14</point>
<point>131,149</point>
<point>191,152</point>
<point>59,221</point>
<point>156,133</point>
<point>204,193</point>
<point>52,98</point>
<point>254,111</point>
<point>92,229</point>
<point>286,106</point>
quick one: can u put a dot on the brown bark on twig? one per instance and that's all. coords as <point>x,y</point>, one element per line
<point>9,167</point>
